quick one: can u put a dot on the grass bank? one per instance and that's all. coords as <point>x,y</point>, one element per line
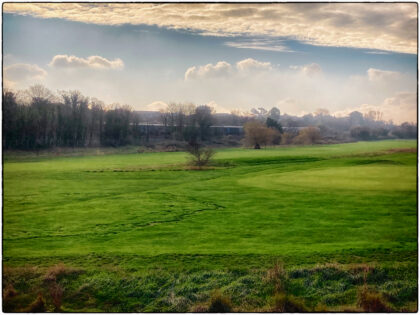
<point>141,232</point>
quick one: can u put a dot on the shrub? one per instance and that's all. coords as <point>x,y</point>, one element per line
<point>308,135</point>
<point>219,303</point>
<point>360,133</point>
<point>37,306</point>
<point>199,156</point>
<point>257,134</point>
<point>287,138</point>
<point>372,301</point>
<point>283,303</point>
<point>405,131</point>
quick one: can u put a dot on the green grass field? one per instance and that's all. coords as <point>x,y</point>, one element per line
<point>142,232</point>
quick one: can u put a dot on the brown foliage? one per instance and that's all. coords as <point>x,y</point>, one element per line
<point>56,292</point>
<point>372,302</point>
<point>9,292</point>
<point>55,289</point>
<point>287,138</point>
<point>278,277</point>
<point>37,306</point>
<point>257,134</point>
<point>308,135</point>
<point>284,303</point>
<point>199,308</point>
<point>58,270</point>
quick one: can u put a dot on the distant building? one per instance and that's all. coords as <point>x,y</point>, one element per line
<point>159,130</point>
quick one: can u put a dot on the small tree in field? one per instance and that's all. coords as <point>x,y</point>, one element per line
<point>198,155</point>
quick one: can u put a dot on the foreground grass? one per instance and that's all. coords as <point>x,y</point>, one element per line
<point>145,233</point>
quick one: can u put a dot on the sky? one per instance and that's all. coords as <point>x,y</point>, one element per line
<point>298,57</point>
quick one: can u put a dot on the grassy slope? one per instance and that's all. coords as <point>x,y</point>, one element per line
<point>347,203</point>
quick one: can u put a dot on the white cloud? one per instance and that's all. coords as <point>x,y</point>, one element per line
<point>217,107</point>
<point>259,44</point>
<point>299,91</point>
<point>381,75</point>
<point>250,64</point>
<point>223,69</point>
<point>156,106</point>
<point>374,52</point>
<point>309,70</point>
<point>381,26</point>
<point>94,62</point>
<point>288,105</point>
<point>22,72</point>
<point>220,69</point>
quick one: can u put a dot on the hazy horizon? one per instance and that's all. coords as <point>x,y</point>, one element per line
<point>298,57</point>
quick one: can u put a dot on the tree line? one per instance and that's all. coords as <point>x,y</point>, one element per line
<point>36,119</point>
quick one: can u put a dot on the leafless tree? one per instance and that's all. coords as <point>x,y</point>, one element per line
<point>198,155</point>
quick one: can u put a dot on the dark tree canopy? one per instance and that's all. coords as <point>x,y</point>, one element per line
<point>43,120</point>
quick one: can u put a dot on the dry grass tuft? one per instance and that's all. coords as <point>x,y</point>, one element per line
<point>58,270</point>
<point>9,292</point>
<point>278,277</point>
<point>402,150</point>
<point>199,308</point>
<point>37,306</point>
<point>283,303</point>
<point>56,292</point>
<point>219,303</point>
<point>373,302</point>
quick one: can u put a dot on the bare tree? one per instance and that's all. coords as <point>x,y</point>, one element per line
<point>204,119</point>
<point>374,115</point>
<point>198,155</point>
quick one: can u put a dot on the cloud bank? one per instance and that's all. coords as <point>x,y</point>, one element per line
<point>93,62</point>
<point>220,69</point>
<point>21,72</point>
<point>250,64</point>
<point>399,108</point>
<point>382,26</point>
<point>309,70</point>
<point>375,75</point>
<point>301,89</point>
<point>223,69</point>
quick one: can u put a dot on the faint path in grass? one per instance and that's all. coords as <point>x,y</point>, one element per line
<point>129,227</point>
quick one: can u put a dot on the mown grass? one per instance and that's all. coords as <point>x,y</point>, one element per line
<point>149,234</point>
